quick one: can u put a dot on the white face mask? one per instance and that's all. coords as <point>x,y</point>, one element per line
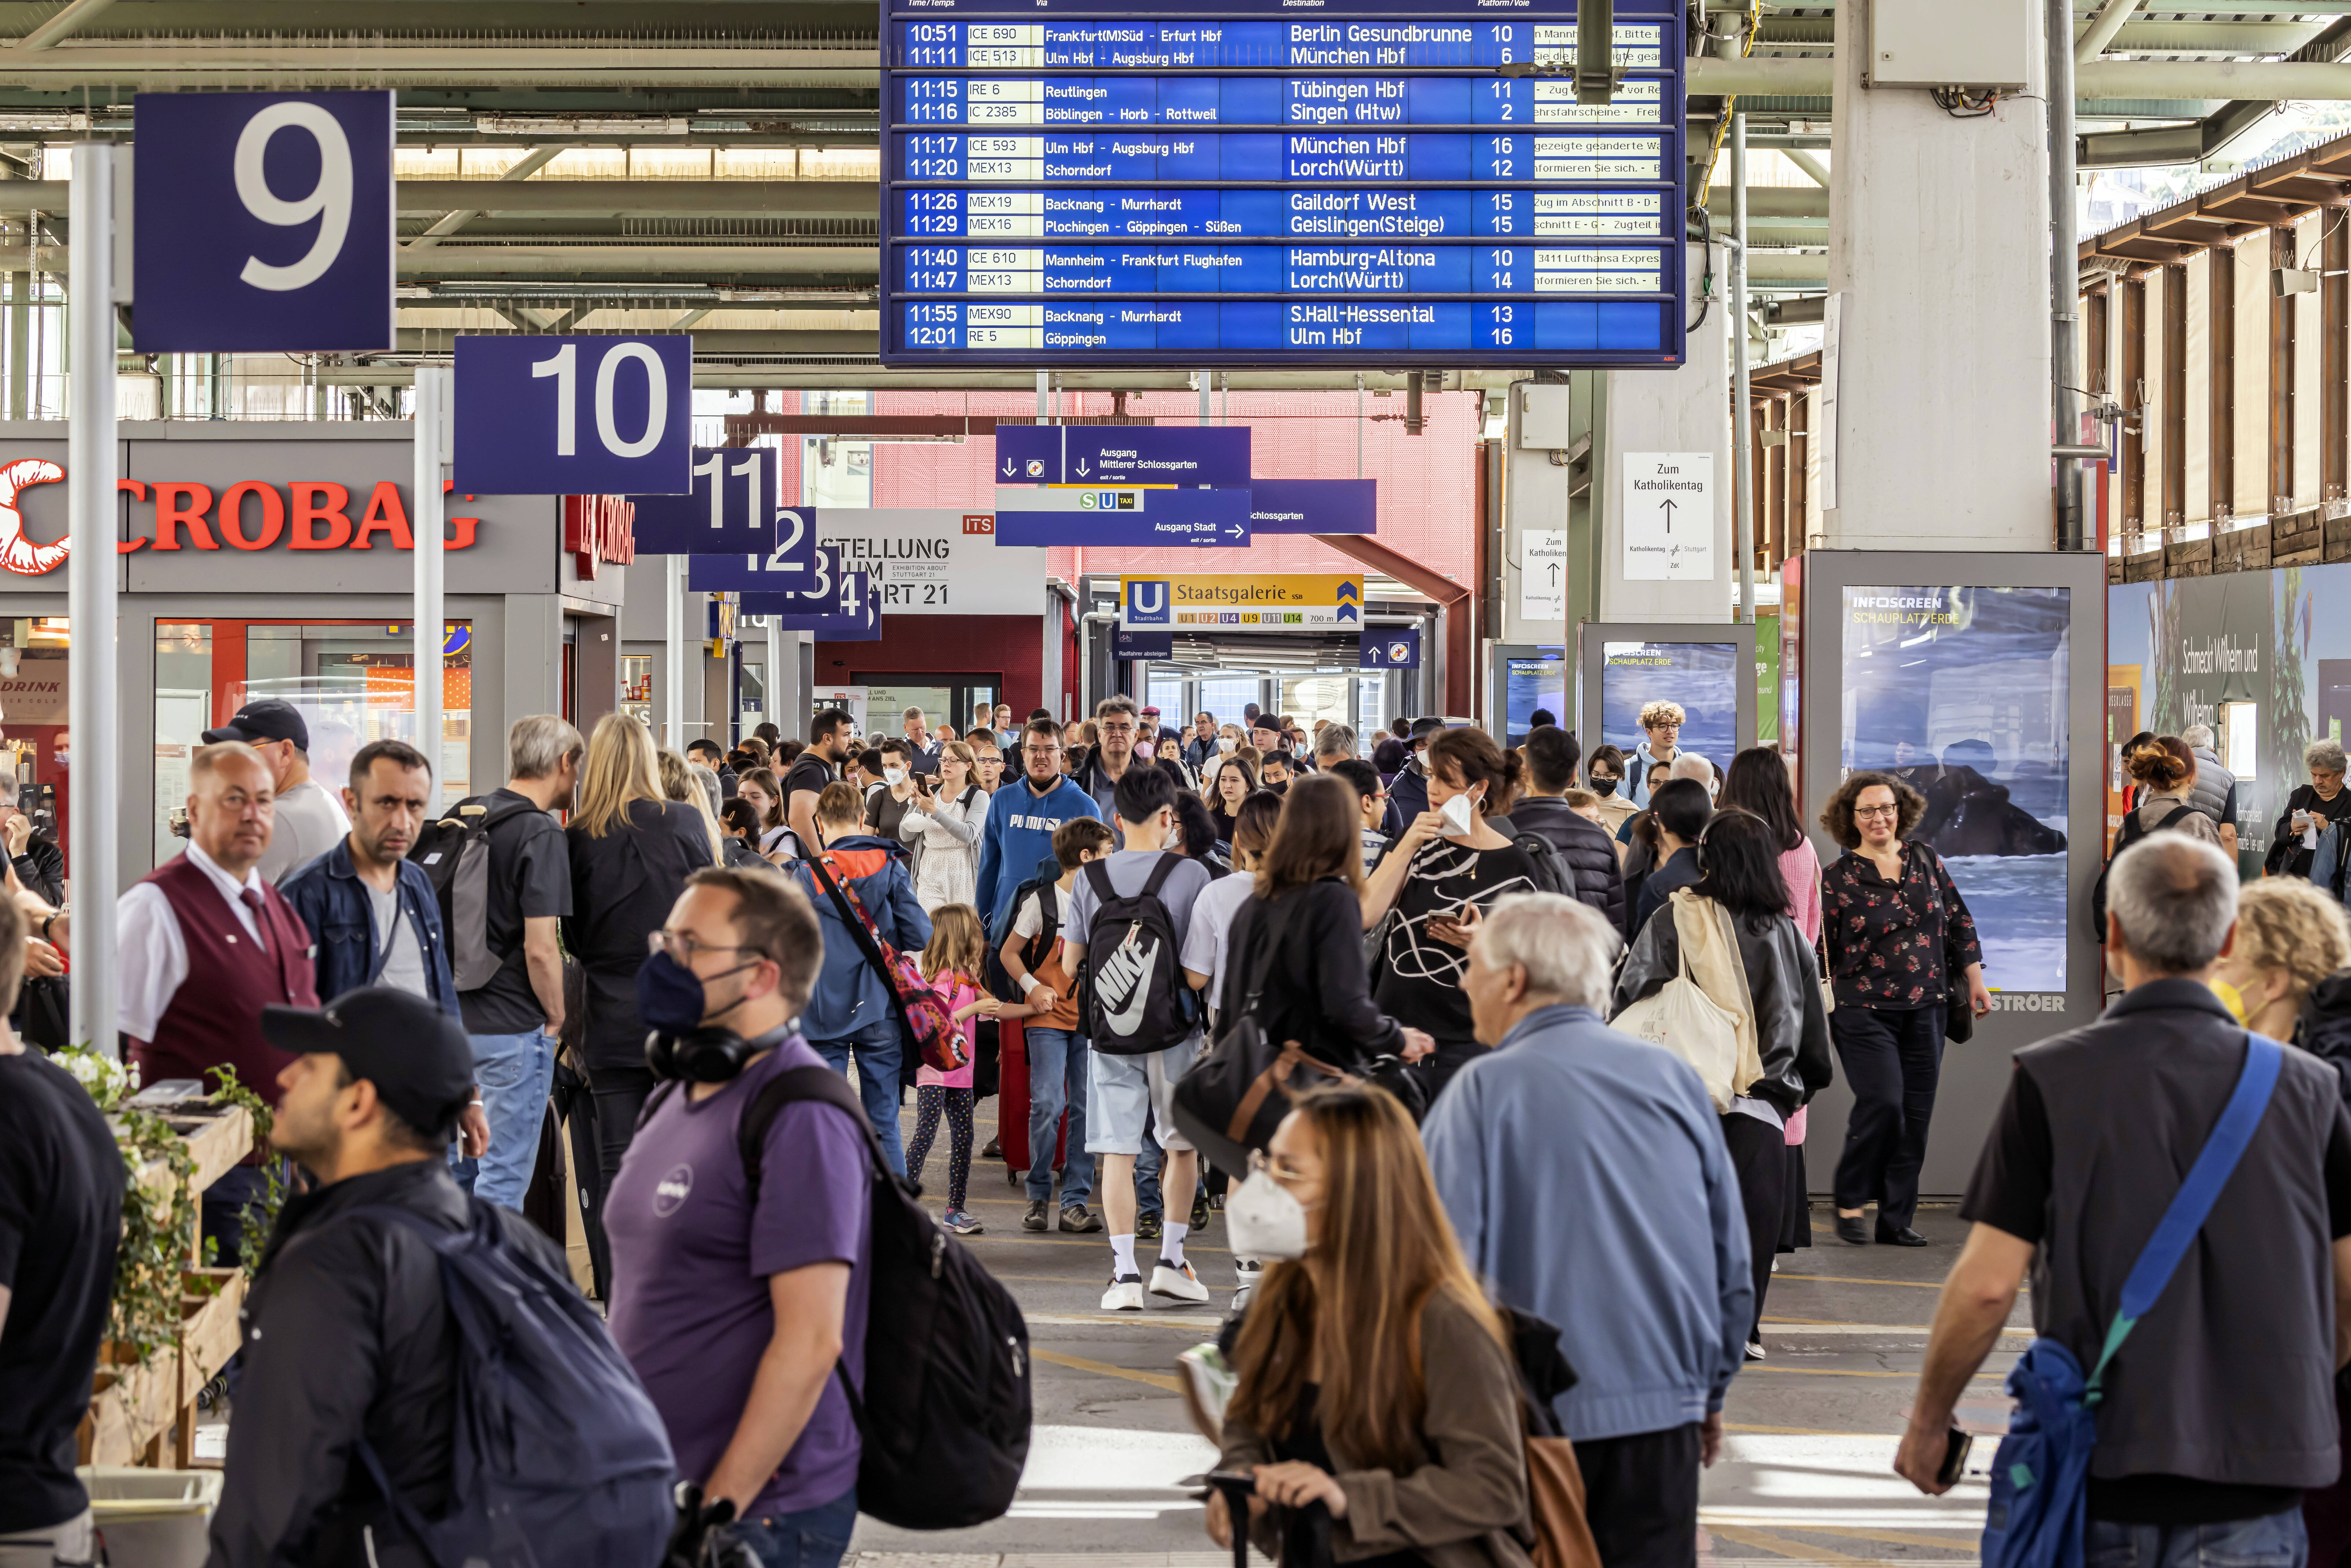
<point>1226,743</point>
<point>894,776</point>
<point>1458,812</point>
<point>1265,1221</point>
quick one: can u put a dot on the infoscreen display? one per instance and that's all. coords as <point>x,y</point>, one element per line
<point>1702,677</point>
<point>1961,693</point>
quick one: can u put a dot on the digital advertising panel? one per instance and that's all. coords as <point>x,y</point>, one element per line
<point>1962,692</point>
<point>1702,677</point>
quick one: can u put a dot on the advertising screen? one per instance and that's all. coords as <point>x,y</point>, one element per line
<point>1961,694</point>
<point>1703,677</point>
<point>1529,684</point>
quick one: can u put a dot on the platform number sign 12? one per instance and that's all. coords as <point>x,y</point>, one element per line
<point>262,222</point>
<point>575,416</point>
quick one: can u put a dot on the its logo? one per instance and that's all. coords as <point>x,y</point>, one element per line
<point>671,1192</point>
<point>1146,601</point>
<point>1126,973</point>
<point>979,522</point>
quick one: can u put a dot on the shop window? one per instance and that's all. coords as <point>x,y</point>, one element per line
<point>1168,696</point>
<point>1306,698</point>
<point>1228,697</point>
<point>637,687</point>
<point>1371,709</point>
<point>183,711</point>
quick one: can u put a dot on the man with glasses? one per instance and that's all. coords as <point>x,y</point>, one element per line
<point>1018,835</point>
<point>1120,730</point>
<point>1372,807</point>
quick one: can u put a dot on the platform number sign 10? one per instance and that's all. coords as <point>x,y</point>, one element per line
<point>521,428</point>
<point>262,222</point>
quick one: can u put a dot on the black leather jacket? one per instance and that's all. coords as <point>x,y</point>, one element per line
<point>1791,1028</point>
<point>347,1332</point>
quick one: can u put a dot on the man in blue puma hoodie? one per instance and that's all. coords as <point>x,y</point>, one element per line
<point>1021,818</point>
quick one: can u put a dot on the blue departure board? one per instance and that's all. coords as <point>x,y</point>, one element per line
<point>1278,181</point>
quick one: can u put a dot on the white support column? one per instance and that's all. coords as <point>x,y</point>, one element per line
<point>1685,411</point>
<point>432,453</point>
<point>1939,243</point>
<point>780,681</point>
<point>672,579</point>
<point>92,462</point>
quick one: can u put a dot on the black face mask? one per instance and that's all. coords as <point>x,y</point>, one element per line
<point>1603,787</point>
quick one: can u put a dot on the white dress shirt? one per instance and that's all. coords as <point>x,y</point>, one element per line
<point>151,951</point>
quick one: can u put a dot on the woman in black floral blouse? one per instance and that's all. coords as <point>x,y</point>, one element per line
<point>1900,943</point>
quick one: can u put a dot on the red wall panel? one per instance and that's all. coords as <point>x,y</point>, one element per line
<point>1009,647</point>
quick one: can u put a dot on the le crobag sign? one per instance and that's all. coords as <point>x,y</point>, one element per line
<point>301,514</point>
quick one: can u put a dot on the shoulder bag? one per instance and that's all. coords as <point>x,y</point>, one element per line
<point>923,1020</point>
<point>2041,1477</point>
<point>1687,1017</point>
<point>1959,1018</point>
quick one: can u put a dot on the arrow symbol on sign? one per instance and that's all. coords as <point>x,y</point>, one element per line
<point>1349,589</point>
<point>1083,469</point>
<point>1668,505</point>
<point>1554,574</point>
<point>1007,468</point>
<point>1236,530</point>
<point>1346,612</point>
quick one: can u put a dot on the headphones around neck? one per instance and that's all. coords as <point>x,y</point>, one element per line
<point>713,1054</point>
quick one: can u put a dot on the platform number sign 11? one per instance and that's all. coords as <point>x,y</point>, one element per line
<point>575,416</point>
<point>262,222</point>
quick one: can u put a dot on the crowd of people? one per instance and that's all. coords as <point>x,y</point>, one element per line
<point>1562,1015</point>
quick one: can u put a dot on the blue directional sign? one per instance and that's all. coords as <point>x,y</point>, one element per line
<point>732,508</point>
<point>821,593</point>
<point>786,563</point>
<point>1391,648</point>
<point>1313,506</point>
<point>575,416</point>
<point>853,613</point>
<point>1123,454</point>
<point>1138,516</point>
<point>262,222</point>
<point>1391,182</point>
<point>1126,642</point>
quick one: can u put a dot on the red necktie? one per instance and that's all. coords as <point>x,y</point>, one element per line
<point>252,900</point>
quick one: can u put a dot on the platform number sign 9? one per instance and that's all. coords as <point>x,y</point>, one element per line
<point>262,222</point>
<point>575,416</point>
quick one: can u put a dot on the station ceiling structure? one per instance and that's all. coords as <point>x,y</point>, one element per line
<point>712,165</point>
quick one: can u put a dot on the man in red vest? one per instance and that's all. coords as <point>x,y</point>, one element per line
<point>204,944</point>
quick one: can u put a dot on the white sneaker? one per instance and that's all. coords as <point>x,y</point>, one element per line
<point>1247,1272</point>
<point>1124,1295</point>
<point>1754,1349</point>
<point>1178,1283</point>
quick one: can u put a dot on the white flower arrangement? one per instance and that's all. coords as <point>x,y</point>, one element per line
<point>108,1081</point>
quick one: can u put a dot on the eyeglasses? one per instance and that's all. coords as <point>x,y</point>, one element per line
<point>1877,810</point>
<point>1260,1164</point>
<point>1040,750</point>
<point>685,947</point>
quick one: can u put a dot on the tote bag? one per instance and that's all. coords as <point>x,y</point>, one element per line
<point>1688,1016</point>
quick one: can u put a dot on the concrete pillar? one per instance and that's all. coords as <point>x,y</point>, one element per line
<point>1938,237</point>
<point>1686,412</point>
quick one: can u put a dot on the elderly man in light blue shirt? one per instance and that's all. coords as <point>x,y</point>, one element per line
<point>1585,1173</point>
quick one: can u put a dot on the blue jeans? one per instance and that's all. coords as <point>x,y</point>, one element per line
<point>812,1538</point>
<point>515,1073</point>
<point>2274,1540</point>
<point>1057,1078</point>
<point>878,1051</point>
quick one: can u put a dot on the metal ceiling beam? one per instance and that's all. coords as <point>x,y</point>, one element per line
<point>70,20</point>
<point>2266,82</point>
<point>852,374</point>
<point>539,157</point>
<point>2110,20</point>
<point>1773,201</point>
<point>194,63</point>
<point>1813,167</point>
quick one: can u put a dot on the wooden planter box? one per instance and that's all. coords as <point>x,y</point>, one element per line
<point>218,1140</point>
<point>146,1415</point>
<point>209,1333</point>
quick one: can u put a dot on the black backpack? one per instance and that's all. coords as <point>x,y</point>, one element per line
<point>943,1419</point>
<point>455,854</point>
<point>1044,885</point>
<point>1551,874</point>
<point>2128,834</point>
<point>1136,1000</point>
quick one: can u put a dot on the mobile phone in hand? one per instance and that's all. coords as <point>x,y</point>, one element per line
<point>1955,1458</point>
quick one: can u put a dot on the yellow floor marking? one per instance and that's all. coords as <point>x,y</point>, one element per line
<point>1080,1364</point>
<point>1895,1536</point>
<point>1805,1431</point>
<point>1851,1279</point>
<point>1832,1372</point>
<point>1781,1546</point>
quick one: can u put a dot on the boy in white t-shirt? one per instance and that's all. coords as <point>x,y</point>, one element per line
<point>1058,1071</point>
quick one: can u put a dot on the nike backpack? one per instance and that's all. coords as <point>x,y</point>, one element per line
<point>1136,998</point>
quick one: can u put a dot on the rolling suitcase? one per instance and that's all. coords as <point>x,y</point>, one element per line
<point>1013,1103</point>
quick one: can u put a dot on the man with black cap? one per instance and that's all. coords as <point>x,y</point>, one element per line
<point>347,1330</point>
<point>310,820</point>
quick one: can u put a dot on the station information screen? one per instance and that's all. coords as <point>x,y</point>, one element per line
<point>1277,180</point>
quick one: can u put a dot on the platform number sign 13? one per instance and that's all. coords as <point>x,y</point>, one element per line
<point>262,222</point>
<point>575,416</point>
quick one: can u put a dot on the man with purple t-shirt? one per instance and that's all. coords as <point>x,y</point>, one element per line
<point>732,1314</point>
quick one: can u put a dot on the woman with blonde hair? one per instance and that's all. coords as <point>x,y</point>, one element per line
<point>943,824</point>
<point>632,848</point>
<point>1372,1379</point>
<point>680,783</point>
<point>2290,936</point>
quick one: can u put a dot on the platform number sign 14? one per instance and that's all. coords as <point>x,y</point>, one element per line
<point>575,416</point>
<point>262,222</point>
